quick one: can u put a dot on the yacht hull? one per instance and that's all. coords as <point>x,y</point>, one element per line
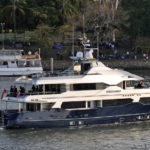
<point>130,113</point>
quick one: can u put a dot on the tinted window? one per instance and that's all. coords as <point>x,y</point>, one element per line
<point>71,105</point>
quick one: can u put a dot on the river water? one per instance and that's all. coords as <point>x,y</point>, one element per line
<point>121,137</point>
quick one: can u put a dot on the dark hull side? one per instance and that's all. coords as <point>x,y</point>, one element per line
<point>134,112</point>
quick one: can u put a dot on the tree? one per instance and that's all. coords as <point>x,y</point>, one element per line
<point>13,11</point>
<point>43,34</point>
<point>67,9</point>
<point>139,11</point>
<point>105,17</point>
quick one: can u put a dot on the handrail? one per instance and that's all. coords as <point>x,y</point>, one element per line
<point>13,94</point>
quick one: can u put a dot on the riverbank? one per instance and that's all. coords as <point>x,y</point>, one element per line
<point>124,64</point>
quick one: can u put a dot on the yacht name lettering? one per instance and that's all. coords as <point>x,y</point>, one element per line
<point>34,100</point>
<point>114,91</point>
<point>132,95</point>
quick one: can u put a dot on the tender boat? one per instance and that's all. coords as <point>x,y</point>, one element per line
<point>87,93</point>
<point>16,63</point>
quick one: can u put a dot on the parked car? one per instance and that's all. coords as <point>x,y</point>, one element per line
<point>58,45</point>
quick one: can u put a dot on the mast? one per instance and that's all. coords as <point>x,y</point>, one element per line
<point>83,42</point>
<point>73,40</point>
<point>2,24</point>
<point>14,18</point>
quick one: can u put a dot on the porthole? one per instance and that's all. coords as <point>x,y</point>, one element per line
<point>72,123</point>
<point>81,122</point>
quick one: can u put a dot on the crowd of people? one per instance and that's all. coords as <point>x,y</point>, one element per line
<point>115,53</point>
<point>14,91</point>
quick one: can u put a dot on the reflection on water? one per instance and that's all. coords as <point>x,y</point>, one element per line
<point>124,137</point>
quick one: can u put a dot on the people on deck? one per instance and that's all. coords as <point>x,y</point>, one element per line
<point>141,85</point>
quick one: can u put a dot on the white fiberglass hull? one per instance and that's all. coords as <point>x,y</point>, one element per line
<point>20,71</point>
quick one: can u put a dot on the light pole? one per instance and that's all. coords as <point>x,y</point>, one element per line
<point>14,18</point>
<point>97,30</point>
<point>2,24</point>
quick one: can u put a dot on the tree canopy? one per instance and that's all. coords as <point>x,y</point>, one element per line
<point>125,16</point>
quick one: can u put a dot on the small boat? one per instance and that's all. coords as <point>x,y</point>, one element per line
<point>16,63</point>
<point>87,93</point>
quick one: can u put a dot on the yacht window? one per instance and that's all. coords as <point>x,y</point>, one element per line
<point>47,106</point>
<point>21,63</point>
<point>115,102</point>
<point>124,84</point>
<point>31,63</point>
<point>33,106</point>
<point>5,63</point>
<point>28,64</point>
<point>37,88</point>
<point>130,83</point>
<point>145,100</point>
<point>55,88</point>
<point>37,63</point>
<point>71,105</point>
<point>85,86</point>
<point>101,86</point>
<point>94,104</point>
<point>12,62</point>
<point>85,67</point>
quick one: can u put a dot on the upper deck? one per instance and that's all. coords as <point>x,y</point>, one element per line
<point>16,55</point>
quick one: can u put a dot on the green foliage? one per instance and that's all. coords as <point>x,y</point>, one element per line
<point>132,17</point>
<point>30,13</point>
<point>139,13</point>
<point>43,33</point>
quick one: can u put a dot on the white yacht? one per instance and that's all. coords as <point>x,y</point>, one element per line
<point>16,63</point>
<point>88,93</point>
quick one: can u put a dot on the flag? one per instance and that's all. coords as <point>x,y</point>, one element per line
<point>4,92</point>
<point>18,95</point>
<point>84,37</point>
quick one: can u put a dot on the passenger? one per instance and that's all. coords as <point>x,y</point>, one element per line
<point>33,88</point>
<point>11,90</point>
<point>40,88</point>
<point>140,85</point>
<point>37,89</point>
<point>15,91</point>
<point>29,53</point>
<point>22,90</point>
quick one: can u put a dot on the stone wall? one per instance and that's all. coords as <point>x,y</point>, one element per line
<point>63,64</point>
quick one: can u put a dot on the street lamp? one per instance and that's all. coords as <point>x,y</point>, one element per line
<point>14,18</point>
<point>97,30</point>
<point>2,24</point>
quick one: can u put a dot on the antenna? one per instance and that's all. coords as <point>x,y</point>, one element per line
<point>97,27</point>
<point>2,24</point>
<point>83,24</point>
